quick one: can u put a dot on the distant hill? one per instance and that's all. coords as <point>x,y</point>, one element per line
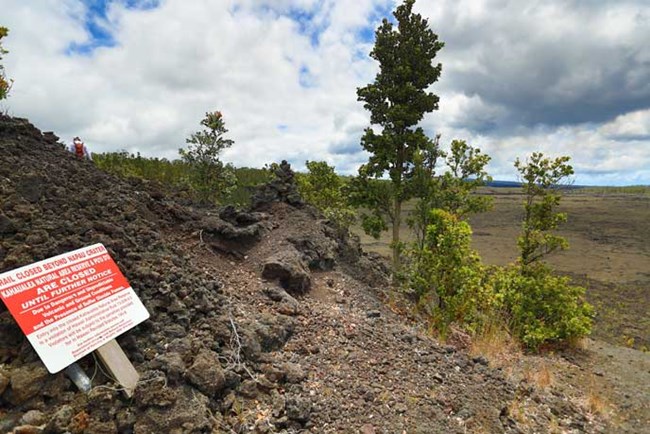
<point>515,184</point>
<point>499,184</point>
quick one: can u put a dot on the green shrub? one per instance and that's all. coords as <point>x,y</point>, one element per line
<point>446,275</point>
<point>451,285</point>
<point>175,174</point>
<point>542,308</point>
<point>374,199</point>
<point>324,189</point>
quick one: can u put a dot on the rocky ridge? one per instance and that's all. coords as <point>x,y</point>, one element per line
<point>265,320</point>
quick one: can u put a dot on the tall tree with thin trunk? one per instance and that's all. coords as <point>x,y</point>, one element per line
<point>397,101</point>
<point>210,179</point>
<point>542,181</point>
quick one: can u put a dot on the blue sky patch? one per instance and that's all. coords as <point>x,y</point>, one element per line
<point>306,25</point>
<point>381,11</point>
<point>96,25</point>
<point>142,5</point>
<point>306,79</point>
<point>345,147</point>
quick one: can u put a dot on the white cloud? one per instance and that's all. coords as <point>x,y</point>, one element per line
<point>632,126</point>
<point>504,62</point>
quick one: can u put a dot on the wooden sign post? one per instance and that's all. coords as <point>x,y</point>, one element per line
<point>119,366</point>
<point>73,304</point>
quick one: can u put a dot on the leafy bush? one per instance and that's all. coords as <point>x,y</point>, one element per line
<point>324,189</point>
<point>247,179</point>
<point>374,197</point>
<point>125,165</point>
<point>447,276</point>
<point>451,285</point>
<point>176,173</point>
<point>542,307</point>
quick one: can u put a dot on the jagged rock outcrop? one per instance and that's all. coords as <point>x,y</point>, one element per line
<point>288,268</point>
<point>281,189</point>
<point>56,203</point>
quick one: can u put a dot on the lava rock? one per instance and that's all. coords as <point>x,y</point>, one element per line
<point>294,373</point>
<point>4,381</point>
<point>33,417</point>
<point>60,421</point>
<point>288,268</point>
<point>27,381</point>
<point>189,414</point>
<point>298,409</point>
<point>281,189</point>
<point>319,252</point>
<point>481,360</point>
<point>206,373</point>
<point>7,226</point>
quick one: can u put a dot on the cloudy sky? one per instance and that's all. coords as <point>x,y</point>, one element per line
<point>558,76</point>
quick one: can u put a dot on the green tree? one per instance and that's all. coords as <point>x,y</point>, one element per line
<point>397,101</point>
<point>542,182</point>
<point>467,173</point>
<point>375,197</point>
<point>320,186</point>
<point>423,185</point>
<point>542,307</point>
<point>324,189</point>
<point>5,84</point>
<point>209,177</point>
<point>454,191</point>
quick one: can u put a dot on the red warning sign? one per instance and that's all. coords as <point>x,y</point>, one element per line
<point>71,304</point>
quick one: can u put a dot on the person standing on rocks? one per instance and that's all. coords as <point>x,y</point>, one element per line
<point>79,149</point>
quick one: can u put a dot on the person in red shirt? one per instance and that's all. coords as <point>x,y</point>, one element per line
<point>79,149</point>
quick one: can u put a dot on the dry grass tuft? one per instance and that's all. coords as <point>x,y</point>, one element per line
<point>596,404</point>
<point>545,377</point>
<point>517,411</point>
<point>495,344</point>
<point>541,376</point>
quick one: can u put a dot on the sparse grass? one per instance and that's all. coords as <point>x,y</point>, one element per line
<point>554,426</point>
<point>412,400</point>
<point>384,397</point>
<point>577,343</point>
<point>596,403</point>
<point>517,411</point>
<point>495,344</point>
<point>539,375</point>
<point>628,341</point>
<point>397,303</point>
<point>545,377</point>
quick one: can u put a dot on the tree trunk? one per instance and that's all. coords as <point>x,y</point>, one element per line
<point>397,217</point>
